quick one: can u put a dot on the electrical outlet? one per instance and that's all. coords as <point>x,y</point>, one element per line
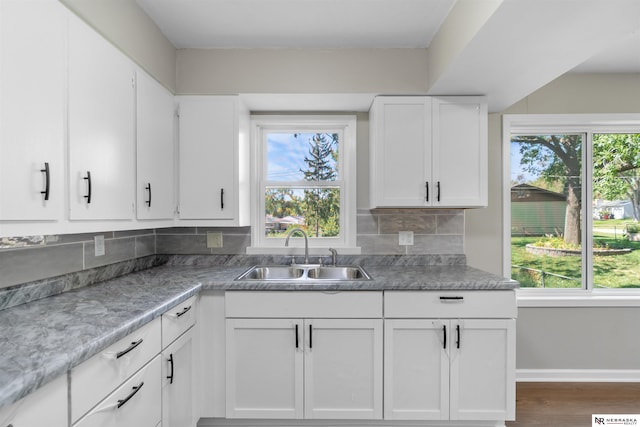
<point>98,244</point>
<point>214,240</point>
<point>405,238</point>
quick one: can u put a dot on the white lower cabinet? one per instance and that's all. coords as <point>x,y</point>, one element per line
<point>177,383</point>
<point>459,368</point>
<point>136,403</point>
<point>47,406</point>
<point>324,366</point>
<point>304,368</point>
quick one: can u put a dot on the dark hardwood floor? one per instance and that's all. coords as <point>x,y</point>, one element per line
<point>572,404</point>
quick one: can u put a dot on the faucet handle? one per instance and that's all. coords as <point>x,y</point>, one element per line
<point>293,260</point>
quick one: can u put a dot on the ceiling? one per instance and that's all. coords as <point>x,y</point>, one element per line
<point>513,47</point>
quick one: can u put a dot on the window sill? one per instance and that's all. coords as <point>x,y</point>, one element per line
<point>577,298</point>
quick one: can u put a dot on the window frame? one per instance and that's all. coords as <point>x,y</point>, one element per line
<point>343,124</point>
<point>546,124</point>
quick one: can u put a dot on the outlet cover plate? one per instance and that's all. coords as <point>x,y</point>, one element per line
<point>98,243</point>
<point>214,240</point>
<point>405,238</point>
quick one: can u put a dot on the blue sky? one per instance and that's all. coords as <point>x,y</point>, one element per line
<point>285,156</point>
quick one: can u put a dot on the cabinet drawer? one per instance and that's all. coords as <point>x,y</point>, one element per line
<point>452,304</point>
<point>137,403</point>
<point>92,380</point>
<point>308,304</point>
<point>177,320</point>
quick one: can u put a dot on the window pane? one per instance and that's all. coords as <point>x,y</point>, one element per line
<point>616,196</point>
<point>315,210</point>
<point>546,204</point>
<point>302,156</point>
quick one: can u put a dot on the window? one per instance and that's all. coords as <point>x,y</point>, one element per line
<point>572,202</point>
<point>304,177</point>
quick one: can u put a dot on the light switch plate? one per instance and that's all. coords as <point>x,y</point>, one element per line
<point>214,240</point>
<point>98,244</point>
<point>405,238</point>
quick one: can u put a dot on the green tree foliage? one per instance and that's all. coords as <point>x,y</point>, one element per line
<point>322,205</point>
<point>557,159</point>
<point>616,168</point>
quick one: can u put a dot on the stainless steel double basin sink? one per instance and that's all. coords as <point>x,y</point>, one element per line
<point>305,273</point>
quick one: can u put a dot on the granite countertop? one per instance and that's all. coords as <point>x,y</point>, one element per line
<point>43,339</point>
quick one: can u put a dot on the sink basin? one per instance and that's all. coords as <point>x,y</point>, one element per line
<point>305,273</point>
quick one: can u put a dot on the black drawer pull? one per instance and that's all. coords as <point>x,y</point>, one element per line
<point>452,299</point>
<point>47,180</point>
<point>426,186</point>
<point>310,337</point>
<point>297,339</point>
<point>222,199</point>
<point>458,336</point>
<point>148,188</point>
<point>136,389</point>
<point>444,331</point>
<point>438,191</point>
<point>183,312</point>
<point>128,349</point>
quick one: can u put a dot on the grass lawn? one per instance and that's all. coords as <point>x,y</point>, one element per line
<point>617,271</point>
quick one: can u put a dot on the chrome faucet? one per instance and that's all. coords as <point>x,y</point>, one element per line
<point>334,256</point>
<point>306,242</point>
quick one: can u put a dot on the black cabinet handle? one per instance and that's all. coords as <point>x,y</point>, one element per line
<point>128,349</point>
<point>133,393</point>
<point>88,179</point>
<point>310,337</point>
<point>222,199</point>
<point>458,336</point>
<point>148,188</point>
<point>438,186</point>
<point>426,186</point>
<point>297,339</point>
<point>170,376</point>
<point>183,312</point>
<point>47,180</point>
<point>444,332</point>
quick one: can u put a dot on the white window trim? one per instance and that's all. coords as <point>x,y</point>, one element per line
<point>564,123</point>
<point>346,243</point>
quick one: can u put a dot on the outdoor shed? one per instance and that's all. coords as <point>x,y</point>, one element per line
<point>536,211</point>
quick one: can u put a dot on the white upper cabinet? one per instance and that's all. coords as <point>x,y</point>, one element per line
<point>460,151</point>
<point>101,96</point>
<point>213,159</point>
<point>32,78</point>
<point>154,150</point>
<point>428,152</point>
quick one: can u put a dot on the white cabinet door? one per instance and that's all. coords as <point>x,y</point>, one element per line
<point>343,369</point>
<point>177,383</point>
<point>400,152</point>
<point>32,81</point>
<point>209,152</point>
<point>483,369</point>
<point>47,406</point>
<point>154,150</point>
<point>264,368</point>
<point>416,370</point>
<point>101,127</point>
<point>137,403</point>
<point>460,151</point>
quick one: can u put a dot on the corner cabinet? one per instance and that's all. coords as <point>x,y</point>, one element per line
<point>213,171</point>
<point>304,355</point>
<point>428,151</point>
<point>32,106</point>
<point>450,356</point>
<point>101,108</point>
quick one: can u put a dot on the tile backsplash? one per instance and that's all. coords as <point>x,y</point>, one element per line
<point>32,258</point>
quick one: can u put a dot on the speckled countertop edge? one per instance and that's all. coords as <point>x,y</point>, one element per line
<point>43,339</point>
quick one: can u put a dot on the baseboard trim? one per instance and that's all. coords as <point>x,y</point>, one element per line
<point>578,375</point>
<point>221,422</point>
